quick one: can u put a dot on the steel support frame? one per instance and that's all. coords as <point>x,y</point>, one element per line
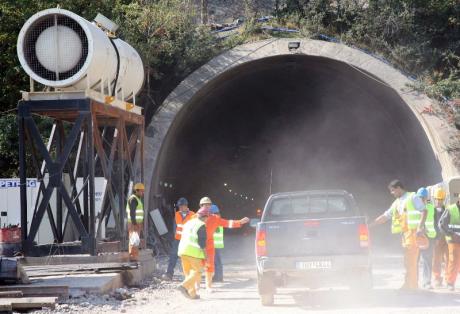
<point>79,152</point>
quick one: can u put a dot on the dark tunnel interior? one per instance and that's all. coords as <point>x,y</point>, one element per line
<point>290,123</point>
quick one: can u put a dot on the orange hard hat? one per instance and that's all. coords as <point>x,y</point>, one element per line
<point>439,194</point>
<point>422,242</point>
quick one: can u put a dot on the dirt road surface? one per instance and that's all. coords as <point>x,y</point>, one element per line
<point>238,293</point>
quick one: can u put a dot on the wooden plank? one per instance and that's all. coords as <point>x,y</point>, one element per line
<point>32,303</point>
<point>5,305</point>
<point>52,270</point>
<point>39,290</point>
<point>11,294</point>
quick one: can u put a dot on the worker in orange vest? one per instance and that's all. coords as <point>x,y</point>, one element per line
<point>183,215</point>
<point>212,223</point>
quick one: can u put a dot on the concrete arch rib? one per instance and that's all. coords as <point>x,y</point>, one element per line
<point>435,128</point>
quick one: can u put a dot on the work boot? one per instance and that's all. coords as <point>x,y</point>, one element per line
<point>427,286</point>
<point>167,277</point>
<point>438,283</point>
<point>184,291</point>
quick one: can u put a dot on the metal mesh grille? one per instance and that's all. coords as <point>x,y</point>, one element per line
<point>61,50</point>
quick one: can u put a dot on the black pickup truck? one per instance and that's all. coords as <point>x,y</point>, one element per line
<point>312,239</point>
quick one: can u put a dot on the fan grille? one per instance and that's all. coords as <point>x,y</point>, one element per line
<point>55,47</point>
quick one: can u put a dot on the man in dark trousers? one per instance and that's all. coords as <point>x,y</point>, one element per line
<point>183,215</point>
<point>135,214</point>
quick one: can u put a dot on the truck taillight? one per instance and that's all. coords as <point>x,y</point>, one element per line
<point>363,236</point>
<point>261,245</point>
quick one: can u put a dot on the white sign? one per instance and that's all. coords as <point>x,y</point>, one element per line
<point>16,183</point>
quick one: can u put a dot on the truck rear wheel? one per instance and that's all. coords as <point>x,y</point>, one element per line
<point>266,288</point>
<point>267,299</point>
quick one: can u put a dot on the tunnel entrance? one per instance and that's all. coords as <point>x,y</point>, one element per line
<point>293,122</point>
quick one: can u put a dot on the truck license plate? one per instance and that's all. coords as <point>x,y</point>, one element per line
<point>314,265</point>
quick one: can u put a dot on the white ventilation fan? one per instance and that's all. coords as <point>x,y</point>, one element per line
<point>60,49</point>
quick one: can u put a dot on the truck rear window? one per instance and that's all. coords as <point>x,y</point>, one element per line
<point>308,206</point>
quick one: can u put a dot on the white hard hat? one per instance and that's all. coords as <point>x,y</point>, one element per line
<point>205,200</point>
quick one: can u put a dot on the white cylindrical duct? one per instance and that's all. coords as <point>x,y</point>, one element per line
<point>60,49</point>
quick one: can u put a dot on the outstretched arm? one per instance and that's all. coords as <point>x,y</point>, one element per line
<point>232,223</point>
<point>379,220</point>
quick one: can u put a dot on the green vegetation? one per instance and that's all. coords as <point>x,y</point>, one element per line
<point>166,33</point>
<point>420,37</point>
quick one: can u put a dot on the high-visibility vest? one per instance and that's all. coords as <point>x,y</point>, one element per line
<point>219,238</point>
<point>409,220</point>
<point>429,222</point>
<point>188,244</point>
<point>454,221</point>
<point>395,218</point>
<point>180,223</point>
<point>139,209</point>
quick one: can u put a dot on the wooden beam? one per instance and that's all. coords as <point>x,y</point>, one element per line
<point>11,294</point>
<point>32,303</point>
<point>38,290</point>
<point>5,306</point>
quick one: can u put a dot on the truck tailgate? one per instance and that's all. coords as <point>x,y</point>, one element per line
<point>313,237</point>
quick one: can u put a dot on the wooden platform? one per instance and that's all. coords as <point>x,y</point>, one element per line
<point>71,276</point>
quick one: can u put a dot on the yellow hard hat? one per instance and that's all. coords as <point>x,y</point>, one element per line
<point>205,200</point>
<point>439,194</point>
<point>139,186</point>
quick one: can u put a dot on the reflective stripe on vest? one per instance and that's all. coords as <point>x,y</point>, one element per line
<point>180,223</point>
<point>139,209</point>
<point>219,238</point>
<point>188,244</point>
<point>454,221</point>
<point>429,222</point>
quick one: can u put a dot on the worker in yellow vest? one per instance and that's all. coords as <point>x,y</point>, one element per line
<point>427,229</point>
<point>440,251</point>
<point>406,215</point>
<point>192,252</point>
<point>135,215</point>
<point>450,225</point>
<point>183,215</point>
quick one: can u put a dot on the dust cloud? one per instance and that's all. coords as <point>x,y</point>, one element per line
<point>295,123</point>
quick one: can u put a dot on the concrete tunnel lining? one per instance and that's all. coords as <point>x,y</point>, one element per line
<point>227,68</point>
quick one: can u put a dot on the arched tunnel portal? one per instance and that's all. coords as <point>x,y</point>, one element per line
<point>279,121</point>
